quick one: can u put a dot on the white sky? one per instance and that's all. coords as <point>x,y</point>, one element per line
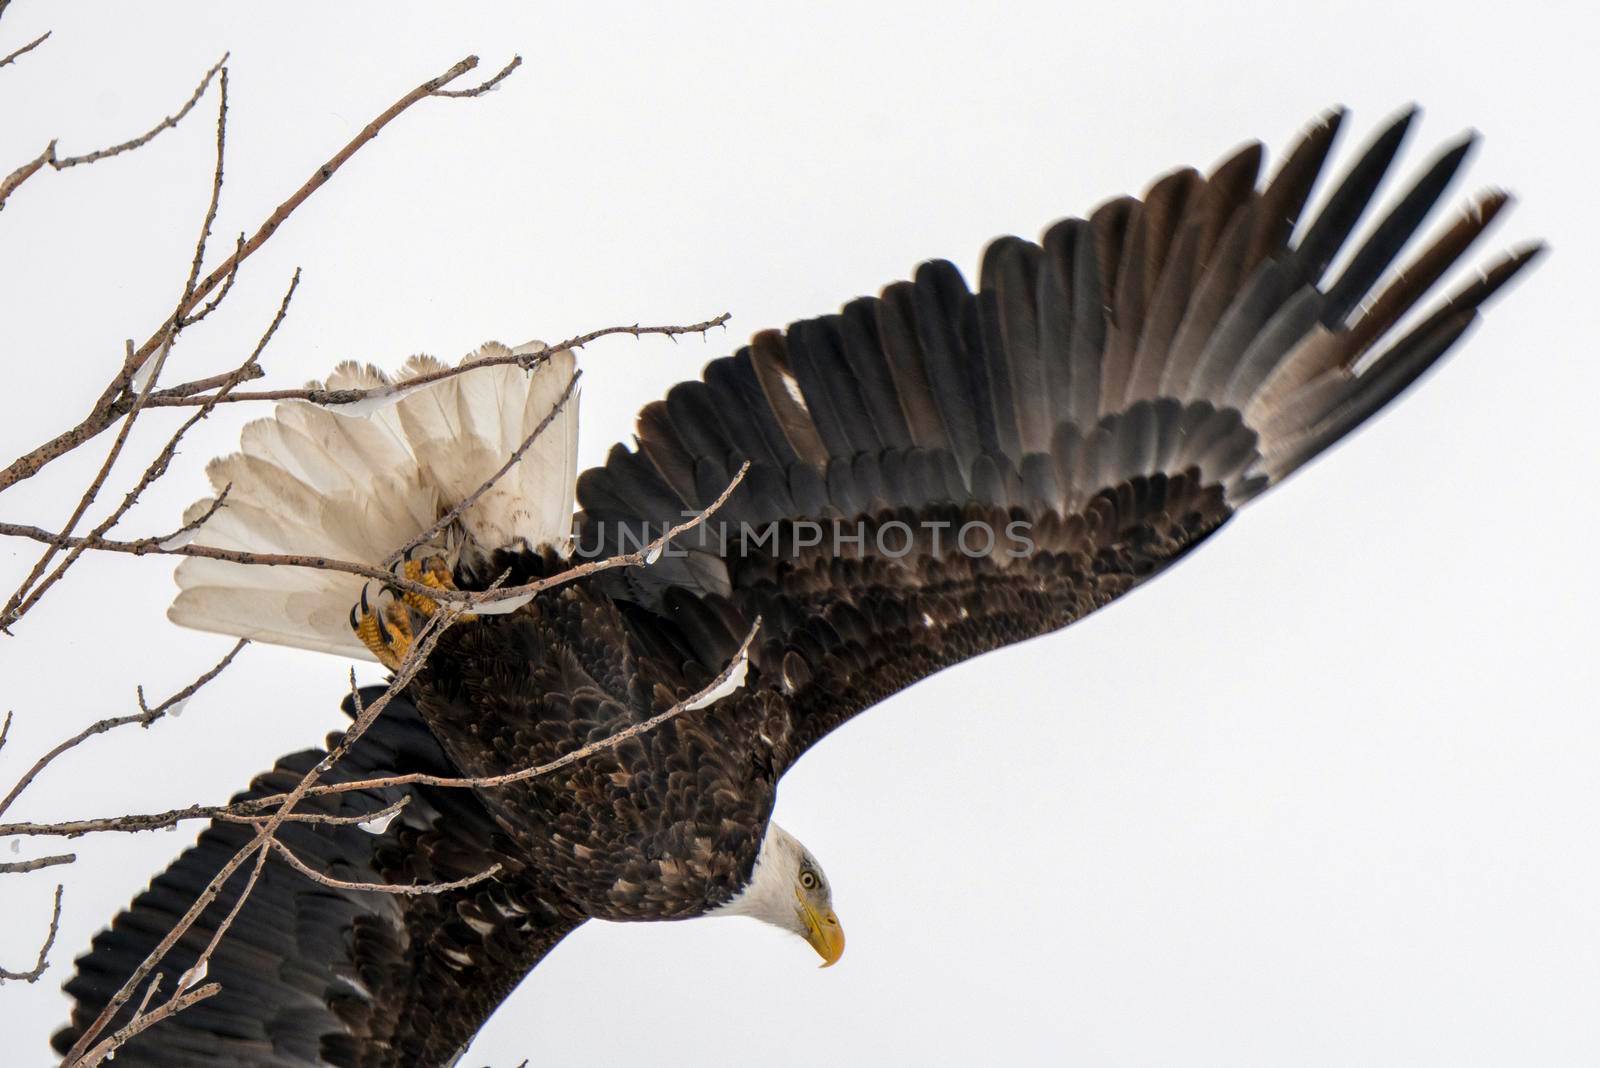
<point>1325,795</point>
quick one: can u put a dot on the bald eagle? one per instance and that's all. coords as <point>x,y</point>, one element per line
<point>934,473</point>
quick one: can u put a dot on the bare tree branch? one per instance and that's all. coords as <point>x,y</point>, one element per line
<point>152,547</point>
<point>479,90</point>
<point>182,535</point>
<point>240,812</point>
<point>421,648</point>
<point>182,1001</point>
<point>402,889</point>
<point>19,606</point>
<point>23,173</point>
<point>12,610</point>
<point>16,605</point>
<point>144,717</point>
<point>17,867</point>
<point>188,980</point>
<point>201,961</point>
<point>100,417</point>
<point>227,283</point>
<point>40,966</point>
<point>185,395</point>
<point>29,47</point>
<point>149,992</point>
<point>61,163</point>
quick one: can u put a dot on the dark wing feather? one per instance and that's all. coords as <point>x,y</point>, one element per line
<point>312,975</point>
<point>1114,394</point>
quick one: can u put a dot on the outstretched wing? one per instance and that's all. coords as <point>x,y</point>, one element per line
<point>313,975</point>
<point>1107,399</point>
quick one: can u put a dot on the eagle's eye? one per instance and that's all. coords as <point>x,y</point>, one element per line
<point>809,880</point>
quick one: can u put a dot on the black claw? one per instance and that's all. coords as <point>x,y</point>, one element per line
<point>365,609</point>
<point>355,624</point>
<point>383,631</point>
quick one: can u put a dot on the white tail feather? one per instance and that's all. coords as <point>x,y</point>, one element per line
<point>357,486</point>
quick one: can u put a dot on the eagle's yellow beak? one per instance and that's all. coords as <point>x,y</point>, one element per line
<point>824,934</point>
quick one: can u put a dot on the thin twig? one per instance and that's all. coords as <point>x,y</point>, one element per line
<point>162,398</point>
<point>479,90</point>
<point>227,283</point>
<point>401,889</point>
<point>24,172</point>
<point>43,963</point>
<point>149,992</point>
<point>360,819</point>
<point>150,715</point>
<point>187,394</point>
<point>29,47</point>
<point>184,533</point>
<point>17,867</point>
<point>239,812</point>
<point>63,162</point>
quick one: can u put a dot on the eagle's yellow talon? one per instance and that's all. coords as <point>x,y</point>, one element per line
<point>388,629</point>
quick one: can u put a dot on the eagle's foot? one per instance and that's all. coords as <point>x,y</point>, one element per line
<point>390,626</point>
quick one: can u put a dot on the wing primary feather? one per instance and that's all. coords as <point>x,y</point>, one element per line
<point>1391,235</point>
<point>845,386</point>
<point>1419,276</point>
<point>1328,232</point>
<point>769,360</point>
<point>1088,339</point>
<point>1285,196</point>
<point>958,381</point>
<point>1214,293</point>
<point>1010,327</point>
<point>895,319</point>
<point>743,421</point>
<point>1475,293</point>
<point>1058,306</point>
<point>821,387</point>
<point>858,334</point>
<point>1230,187</point>
<point>1166,312</point>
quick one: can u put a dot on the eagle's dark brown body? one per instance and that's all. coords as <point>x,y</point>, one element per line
<point>1114,393</point>
<point>662,827</point>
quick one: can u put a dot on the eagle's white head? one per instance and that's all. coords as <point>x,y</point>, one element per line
<point>787,889</point>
